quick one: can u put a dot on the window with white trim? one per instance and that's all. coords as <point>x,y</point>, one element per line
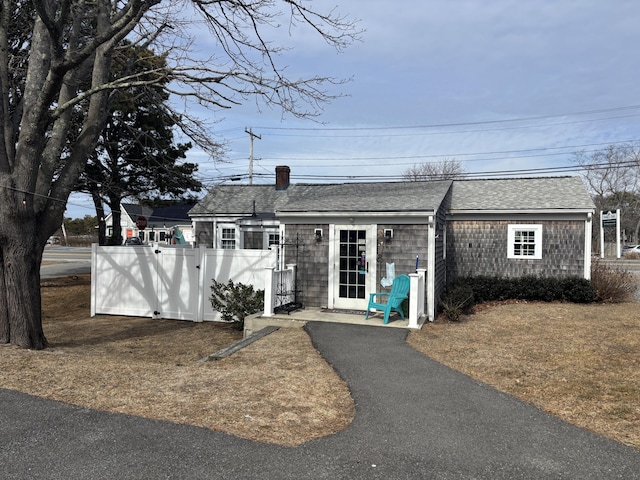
<point>525,241</point>
<point>273,239</point>
<point>228,238</point>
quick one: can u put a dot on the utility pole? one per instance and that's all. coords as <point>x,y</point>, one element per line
<point>251,137</point>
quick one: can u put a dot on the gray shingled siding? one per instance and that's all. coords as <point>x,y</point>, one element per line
<point>408,241</point>
<point>440,261</point>
<point>311,258</point>
<point>313,271</point>
<point>480,248</point>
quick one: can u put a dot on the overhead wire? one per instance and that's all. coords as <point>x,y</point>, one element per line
<point>456,124</point>
<point>379,131</point>
<point>448,132</point>
<point>391,131</point>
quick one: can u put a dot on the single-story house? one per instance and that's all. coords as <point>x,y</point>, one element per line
<point>160,222</point>
<point>343,237</point>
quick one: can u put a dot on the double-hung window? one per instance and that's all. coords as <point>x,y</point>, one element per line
<point>273,239</point>
<point>228,238</point>
<point>525,241</point>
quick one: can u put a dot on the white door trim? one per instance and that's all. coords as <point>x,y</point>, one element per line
<point>333,300</point>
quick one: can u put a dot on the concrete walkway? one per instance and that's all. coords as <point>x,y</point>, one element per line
<point>415,419</point>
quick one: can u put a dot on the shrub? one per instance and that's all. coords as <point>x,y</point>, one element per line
<point>612,284</point>
<point>483,289</point>
<point>236,301</point>
<point>577,290</point>
<point>457,300</point>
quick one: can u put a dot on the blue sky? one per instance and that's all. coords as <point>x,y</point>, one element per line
<point>501,86</point>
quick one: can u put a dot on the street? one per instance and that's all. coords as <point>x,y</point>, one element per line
<point>61,261</point>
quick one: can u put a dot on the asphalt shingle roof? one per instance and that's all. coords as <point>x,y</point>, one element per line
<point>172,214</point>
<point>366,197</point>
<point>134,210</point>
<point>512,194</point>
<point>239,200</point>
<point>487,195</point>
<point>353,197</point>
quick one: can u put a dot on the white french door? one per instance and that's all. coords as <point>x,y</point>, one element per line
<point>354,274</point>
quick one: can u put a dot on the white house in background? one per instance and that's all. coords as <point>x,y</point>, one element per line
<point>161,222</point>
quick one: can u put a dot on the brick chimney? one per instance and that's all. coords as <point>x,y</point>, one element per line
<point>282,177</point>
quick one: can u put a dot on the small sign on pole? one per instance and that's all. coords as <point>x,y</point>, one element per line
<point>607,220</point>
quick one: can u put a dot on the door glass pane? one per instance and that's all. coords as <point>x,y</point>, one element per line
<point>353,271</point>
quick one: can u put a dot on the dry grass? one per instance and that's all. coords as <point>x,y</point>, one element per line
<point>578,362</point>
<point>278,390</point>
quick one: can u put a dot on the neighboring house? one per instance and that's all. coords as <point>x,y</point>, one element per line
<point>161,222</point>
<point>342,236</point>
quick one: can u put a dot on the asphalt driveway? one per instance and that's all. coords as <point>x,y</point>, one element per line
<point>414,419</point>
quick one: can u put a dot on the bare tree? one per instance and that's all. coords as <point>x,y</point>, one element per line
<point>612,175</point>
<point>47,52</point>
<point>446,169</point>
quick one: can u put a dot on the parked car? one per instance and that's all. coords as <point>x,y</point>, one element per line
<point>133,241</point>
<point>631,250</point>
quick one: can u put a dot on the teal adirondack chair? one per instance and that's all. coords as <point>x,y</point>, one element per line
<point>398,294</point>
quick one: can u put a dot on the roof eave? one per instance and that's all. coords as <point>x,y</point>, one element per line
<point>359,213</point>
<point>532,211</point>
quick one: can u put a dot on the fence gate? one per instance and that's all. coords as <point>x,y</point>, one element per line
<point>148,281</point>
<point>177,288</point>
<point>167,281</point>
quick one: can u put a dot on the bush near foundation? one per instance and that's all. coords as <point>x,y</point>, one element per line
<point>457,301</point>
<point>611,284</point>
<point>236,301</point>
<point>461,295</point>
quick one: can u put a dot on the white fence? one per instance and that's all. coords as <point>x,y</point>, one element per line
<point>279,289</point>
<point>169,281</point>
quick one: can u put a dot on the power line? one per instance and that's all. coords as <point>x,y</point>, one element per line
<point>454,155</point>
<point>212,181</point>
<point>452,132</point>
<point>482,174</point>
<point>456,124</point>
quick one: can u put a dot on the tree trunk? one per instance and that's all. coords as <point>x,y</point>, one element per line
<point>102,224</point>
<point>5,334</point>
<point>20,301</point>
<point>116,219</point>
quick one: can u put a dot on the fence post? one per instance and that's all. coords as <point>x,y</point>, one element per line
<point>94,274</point>
<point>268,292</point>
<point>416,298</point>
<point>422,272</point>
<point>203,288</point>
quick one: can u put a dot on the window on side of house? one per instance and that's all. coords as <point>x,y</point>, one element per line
<point>228,238</point>
<point>525,241</point>
<point>273,239</point>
